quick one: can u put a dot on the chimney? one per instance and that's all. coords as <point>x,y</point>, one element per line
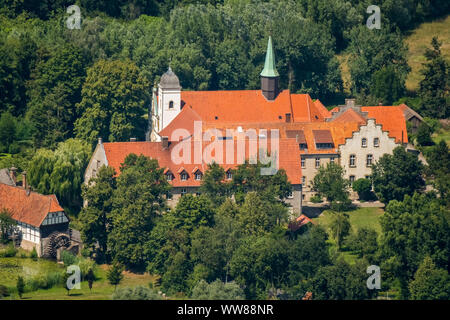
<point>165,142</point>
<point>12,173</point>
<point>100,140</point>
<point>24,180</point>
<point>288,117</point>
<point>132,139</point>
<point>350,103</point>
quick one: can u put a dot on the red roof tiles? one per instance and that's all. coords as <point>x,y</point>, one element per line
<point>27,207</point>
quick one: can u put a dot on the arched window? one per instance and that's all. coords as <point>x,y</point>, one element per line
<point>352,162</point>
<point>171,105</point>
<point>364,142</point>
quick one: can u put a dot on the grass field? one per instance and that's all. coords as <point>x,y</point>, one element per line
<point>359,218</point>
<point>443,133</point>
<point>11,268</point>
<point>418,40</point>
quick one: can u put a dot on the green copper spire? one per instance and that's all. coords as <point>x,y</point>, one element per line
<point>270,69</point>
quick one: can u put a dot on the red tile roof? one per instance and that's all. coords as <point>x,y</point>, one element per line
<point>184,120</point>
<point>27,207</point>
<point>350,115</point>
<point>299,222</point>
<point>391,119</point>
<point>117,151</point>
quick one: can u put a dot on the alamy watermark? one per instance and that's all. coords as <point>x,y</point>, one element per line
<point>374,281</point>
<point>374,20</point>
<point>74,20</point>
<point>74,281</point>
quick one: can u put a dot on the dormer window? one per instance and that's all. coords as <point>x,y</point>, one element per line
<point>169,176</point>
<point>198,175</point>
<point>184,176</point>
<point>229,175</point>
<point>363,142</point>
<point>171,105</point>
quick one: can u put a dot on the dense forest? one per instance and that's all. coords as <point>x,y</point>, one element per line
<point>62,88</point>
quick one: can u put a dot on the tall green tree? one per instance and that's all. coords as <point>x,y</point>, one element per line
<point>8,129</point>
<point>54,91</point>
<point>430,283</point>
<point>95,218</point>
<point>117,113</point>
<point>138,199</point>
<point>329,182</point>
<point>6,224</point>
<point>435,86</point>
<point>397,175</point>
<point>214,185</point>
<point>340,227</point>
<point>61,171</point>
<point>427,234</point>
<point>387,86</point>
<point>114,275</point>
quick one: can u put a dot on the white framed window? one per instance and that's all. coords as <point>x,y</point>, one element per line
<point>352,179</point>
<point>331,159</point>
<point>183,191</point>
<point>184,176</point>
<point>169,176</point>
<point>364,143</point>
<point>369,160</point>
<point>352,161</point>
<point>229,175</point>
<point>304,181</point>
<point>198,175</point>
<point>291,195</point>
<point>171,105</point>
<point>376,142</point>
<point>302,161</point>
<point>317,162</point>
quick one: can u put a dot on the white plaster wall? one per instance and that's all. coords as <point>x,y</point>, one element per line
<point>166,115</point>
<point>353,146</point>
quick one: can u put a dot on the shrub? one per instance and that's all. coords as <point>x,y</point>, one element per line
<point>85,265</point>
<point>4,291</point>
<point>136,293</point>
<point>424,135</point>
<point>68,258</point>
<point>316,199</point>
<point>10,251</point>
<point>217,290</point>
<point>33,254</point>
<point>364,188</point>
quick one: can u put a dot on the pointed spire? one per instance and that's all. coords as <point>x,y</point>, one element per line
<point>270,69</point>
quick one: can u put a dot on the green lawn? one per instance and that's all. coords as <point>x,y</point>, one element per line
<point>442,134</point>
<point>359,218</point>
<point>11,268</point>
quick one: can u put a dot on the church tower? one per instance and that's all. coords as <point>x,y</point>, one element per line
<point>169,99</point>
<point>269,75</point>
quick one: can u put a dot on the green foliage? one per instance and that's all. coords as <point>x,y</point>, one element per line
<point>61,171</point>
<point>9,252</point>
<point>90,277</point>
<point>217,290</point>
<point>137,201</point>
<point>20,286</point>
<point>95,219</point>
<point>8,130</point>
<point>387,86</point>
<point>430,283</point>
<point>68,258</point>
<point>54,89</point>
<point>397,175</point>
<point>114,274</point>
<point>434,88</point>
<point>427,234</point>
<point>136,293</point>
<point>4,291</point>
<point>192,212</point>
<point>364,243</point>
<point>439,169</point>
<point>316,199</point>
<point>364,188</point>
<point>213,185</point>
<point>329,182</point>
<point>370,51</point>
<point>116,114</point>
<point>6,224</point>
<point>340,227</point>
<point>424,135</point>
<point>341,281</point>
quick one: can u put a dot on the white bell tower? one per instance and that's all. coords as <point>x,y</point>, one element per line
<point>169,99</point>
